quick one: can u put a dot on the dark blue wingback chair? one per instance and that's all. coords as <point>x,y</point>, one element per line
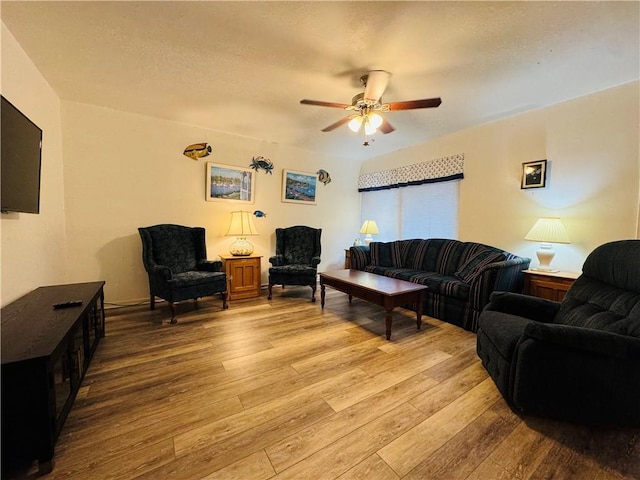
<point>578,360</point>
<point>175,257</point>
<point>297,257</point>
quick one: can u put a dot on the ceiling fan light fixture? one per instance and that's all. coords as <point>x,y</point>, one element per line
<point>369,129</point>
<point>375,119</point>
<point>355,123</point>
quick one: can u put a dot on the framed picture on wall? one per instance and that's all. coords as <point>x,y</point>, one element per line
<point>299,187</point>
<point>230,184</point>
<point>534,174</point>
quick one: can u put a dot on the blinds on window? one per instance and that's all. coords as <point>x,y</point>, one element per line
<point>421,211</point>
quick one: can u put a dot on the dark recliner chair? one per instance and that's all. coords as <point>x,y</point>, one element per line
<point>297,257</point>
<point>175,257</point>
<point>578,360</point>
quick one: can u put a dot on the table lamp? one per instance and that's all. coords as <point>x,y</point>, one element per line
<point>547,231</point>
<point>369,228</point>
<point>241,226</point>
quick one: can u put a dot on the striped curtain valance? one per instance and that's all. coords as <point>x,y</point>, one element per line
<point>438,170</point>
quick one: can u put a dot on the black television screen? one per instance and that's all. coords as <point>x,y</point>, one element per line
<point>20,158</point>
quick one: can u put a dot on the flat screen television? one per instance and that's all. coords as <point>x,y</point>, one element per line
<point>20,160</point>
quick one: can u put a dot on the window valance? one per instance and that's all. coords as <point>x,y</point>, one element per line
<point>437,170</point>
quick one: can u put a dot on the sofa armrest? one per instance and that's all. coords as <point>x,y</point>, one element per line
<point>315,261</point>
<point>360,257</point>
<point>276,260</point>
<point>584,340</point>
<point>532,308</point>
<point>505,276</point>
<point>210,265</point>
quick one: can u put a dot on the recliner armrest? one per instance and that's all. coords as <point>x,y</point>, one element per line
<point>533,308</point>
<point>584,339</point>
<point>210,265</point>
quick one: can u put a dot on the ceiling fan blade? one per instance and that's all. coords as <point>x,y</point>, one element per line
<point>386,127</point>
<point>339,123</point>
<point>324,104</point>
<point>412,104</point>
<point>376,84</point>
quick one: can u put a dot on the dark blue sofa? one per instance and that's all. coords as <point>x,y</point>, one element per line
<point>460,275</point>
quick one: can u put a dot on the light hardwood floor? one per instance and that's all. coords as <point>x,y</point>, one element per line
<point>284,390</point>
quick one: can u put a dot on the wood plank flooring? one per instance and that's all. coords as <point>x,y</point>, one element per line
<point>281,389</point>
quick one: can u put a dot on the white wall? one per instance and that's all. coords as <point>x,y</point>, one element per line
<point>593,182</point>
<point>32,246</point>
<point>124,171</point>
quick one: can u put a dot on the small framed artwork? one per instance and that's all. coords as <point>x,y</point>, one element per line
<point>299,187</point>
<point>230,184</point>
<point>534,174</point>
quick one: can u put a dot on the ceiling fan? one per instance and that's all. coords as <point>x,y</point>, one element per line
<point>366,105</point>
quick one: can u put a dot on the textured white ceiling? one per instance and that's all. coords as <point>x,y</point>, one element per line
<point>243,67</point>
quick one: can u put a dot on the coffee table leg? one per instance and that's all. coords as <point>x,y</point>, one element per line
<point>322,295</point>
<point>387,319</point>
<point>419,310</point>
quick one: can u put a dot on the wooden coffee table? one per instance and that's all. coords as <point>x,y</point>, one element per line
<point>378,289</point>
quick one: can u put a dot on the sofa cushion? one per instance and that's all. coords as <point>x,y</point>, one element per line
<point>437,283</point>
<point>385,254</point>
<point>470,270</point>
<point>437,255</point>
<point>442,284</point>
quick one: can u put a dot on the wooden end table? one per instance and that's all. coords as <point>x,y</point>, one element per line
<point>549,285</point>
<point>377,289</point>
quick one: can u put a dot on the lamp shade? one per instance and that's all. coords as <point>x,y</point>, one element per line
<point>548,230</point>
<point>369,227</point>
<point>355,123</point>
<point>241,225</point>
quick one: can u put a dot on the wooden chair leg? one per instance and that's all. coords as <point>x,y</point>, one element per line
<point>152,302</point>
<point>174,320</point>
<point>313,292</point>
<point>269,295</point>
<point>224,300</point>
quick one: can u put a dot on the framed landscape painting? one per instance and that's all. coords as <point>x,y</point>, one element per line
<point>230,184</point>
<point>534,174</point>
<point>299,187</point>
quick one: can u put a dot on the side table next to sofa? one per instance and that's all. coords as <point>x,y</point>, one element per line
<point>549,285</point>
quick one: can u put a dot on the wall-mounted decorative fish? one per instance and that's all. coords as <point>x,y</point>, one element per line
<point>260,162</point>
<point>198,150</point>
<point>324,176</point>
<point>259,213</point>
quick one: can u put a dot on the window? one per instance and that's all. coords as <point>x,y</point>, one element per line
<point>429,210</point>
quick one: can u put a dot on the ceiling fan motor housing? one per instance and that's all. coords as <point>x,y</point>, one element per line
<point>359,103</point>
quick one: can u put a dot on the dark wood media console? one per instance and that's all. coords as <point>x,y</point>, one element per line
<point>45,354</point>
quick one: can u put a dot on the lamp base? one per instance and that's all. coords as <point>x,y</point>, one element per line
<point>241,247</point>
<point>545,254</point>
